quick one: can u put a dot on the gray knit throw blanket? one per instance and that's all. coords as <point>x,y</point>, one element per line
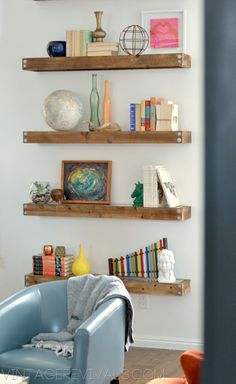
<point>84,295</point>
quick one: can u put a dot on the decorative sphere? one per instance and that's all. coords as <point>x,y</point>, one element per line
<point>62,110</point>
<point>134,40</point>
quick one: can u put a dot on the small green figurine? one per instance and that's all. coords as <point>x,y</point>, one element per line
<point>137,195</point>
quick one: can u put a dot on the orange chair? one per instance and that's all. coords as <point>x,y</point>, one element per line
<point>191,363</point>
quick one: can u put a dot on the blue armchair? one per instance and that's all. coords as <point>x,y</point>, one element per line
<point>98,344</point>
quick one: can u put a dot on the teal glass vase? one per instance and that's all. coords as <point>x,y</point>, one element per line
<point>94,103</point>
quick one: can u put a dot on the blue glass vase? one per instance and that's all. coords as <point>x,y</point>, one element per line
<point>56,48</point>
<point>94,103</point>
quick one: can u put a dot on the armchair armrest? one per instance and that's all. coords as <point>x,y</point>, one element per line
<point>99,344</point>
<point>19,319</point>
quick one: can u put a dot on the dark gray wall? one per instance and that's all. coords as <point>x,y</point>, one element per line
<point>220,152</point>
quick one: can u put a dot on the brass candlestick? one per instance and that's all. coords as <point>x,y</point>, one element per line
<point>99,33</point>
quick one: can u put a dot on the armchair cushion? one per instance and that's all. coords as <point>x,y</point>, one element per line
<point>33,362</point>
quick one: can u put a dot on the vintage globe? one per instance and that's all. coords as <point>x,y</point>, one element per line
<point>62,110</point>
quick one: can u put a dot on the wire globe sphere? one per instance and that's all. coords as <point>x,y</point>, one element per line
<point>134,40</point>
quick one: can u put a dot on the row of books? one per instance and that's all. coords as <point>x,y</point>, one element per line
<point>140,263</point>
<point>76,42</point>
<point>52,265</point>
<point>158,187</point>
<point>154,115</point>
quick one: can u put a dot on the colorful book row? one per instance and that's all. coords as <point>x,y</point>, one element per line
<point>154,115</point>
<point>52,265</point>
<point>140,263</point>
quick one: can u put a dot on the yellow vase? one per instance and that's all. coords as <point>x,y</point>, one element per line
<point>81,265</point>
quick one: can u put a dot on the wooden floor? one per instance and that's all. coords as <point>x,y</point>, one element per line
<point>144,364</point>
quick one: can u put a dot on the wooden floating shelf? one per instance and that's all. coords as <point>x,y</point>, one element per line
<point>123,137</point>
<point>149,287</point>
<point>107,211</point>
<point>152,287</point>
<point>85,63</point>
<point>32,279</point>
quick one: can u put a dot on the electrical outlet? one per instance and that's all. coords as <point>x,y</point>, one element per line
<point>143,302</point>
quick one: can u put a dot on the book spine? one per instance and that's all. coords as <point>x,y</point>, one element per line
<point>147,115</point>
<point>130,264</point>
<point>114,266</point>
<point>142,118</point>
<point>77,43</point>
<point>133,265</point>
<point>147,261</point>
<point>68,43</point>
<point>132,117</point>
<point>150,261</point>
<point>165,243</point>
<point>117,268</point>
<point>85,38</point>
<point>153,102</point>
<point>138,117</point>
<point>122,267</point>
<point>161,245</point>
<point>156,259</point>
<point>127,265</point>
<point>141,262</point>
<point>110,267</point>
<point>96,47</point>
<point>136,263</point>
<point>73,43</point>
<point>153,262</point>
<point>144,263</point>
<point>158,117</point>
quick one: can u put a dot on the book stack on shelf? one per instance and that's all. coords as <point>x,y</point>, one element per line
<point>154,114</point>
<point>142,263</point>
<point>158,187</point>
<point>102,49</point>
<point>52,265</point>
<point>76,42</point>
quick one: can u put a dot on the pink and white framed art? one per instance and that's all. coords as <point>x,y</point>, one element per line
<point>166,30</point>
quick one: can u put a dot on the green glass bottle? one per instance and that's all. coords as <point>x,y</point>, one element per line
<point>94,102</point>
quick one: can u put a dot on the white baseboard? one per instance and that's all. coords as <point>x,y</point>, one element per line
<point>168,343</point>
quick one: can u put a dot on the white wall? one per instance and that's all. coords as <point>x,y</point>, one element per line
<point>25,28</point>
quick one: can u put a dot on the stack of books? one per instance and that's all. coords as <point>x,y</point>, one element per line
<point>158,187</point>
<point>140,263</point>
<point>76,42</point>
<point>154,115</point>
<point>102,49</point>
<point>52,265</point>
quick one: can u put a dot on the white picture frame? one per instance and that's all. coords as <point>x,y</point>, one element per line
<point>166,31</point>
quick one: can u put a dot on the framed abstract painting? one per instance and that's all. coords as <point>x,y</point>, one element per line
<point>166,30</point>
<point>86,182</point>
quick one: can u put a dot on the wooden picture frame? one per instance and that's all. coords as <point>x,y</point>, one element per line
<point>86,181</point>
<point>166,31</point>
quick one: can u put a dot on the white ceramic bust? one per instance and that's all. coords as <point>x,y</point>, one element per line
<point>166,262</point>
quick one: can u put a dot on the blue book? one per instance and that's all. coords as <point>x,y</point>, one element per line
<point>132,117</point>
<point>128,265</point>
<point>147,261</point>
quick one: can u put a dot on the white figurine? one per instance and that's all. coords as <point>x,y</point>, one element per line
<point>166,263</point>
